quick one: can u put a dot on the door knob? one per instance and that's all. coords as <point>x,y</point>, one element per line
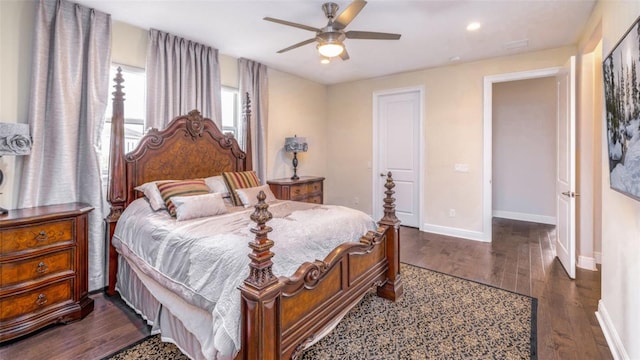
<point>570,194</point>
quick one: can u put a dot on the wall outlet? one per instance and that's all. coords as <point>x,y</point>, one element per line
<point>356,200</point>
<point>452,212</point>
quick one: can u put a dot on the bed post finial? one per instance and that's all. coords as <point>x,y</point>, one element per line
<point>392,288</point>
<point>117,191</point>
<point>261,274</point>
<point>261,293</point>
<point>389,203</point>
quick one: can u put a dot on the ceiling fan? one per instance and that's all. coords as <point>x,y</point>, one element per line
<point>330,38</point>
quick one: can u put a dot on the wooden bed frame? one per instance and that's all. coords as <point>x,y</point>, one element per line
<point>280,315</point>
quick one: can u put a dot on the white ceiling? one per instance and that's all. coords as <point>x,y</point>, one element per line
<point>432,31</point>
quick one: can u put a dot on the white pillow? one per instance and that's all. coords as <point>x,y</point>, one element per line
<point>152,194</point>
<point>196,206</point>
<point>249,196</point>
<point>217,185</point>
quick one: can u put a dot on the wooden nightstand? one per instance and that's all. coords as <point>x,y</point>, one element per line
<point>43,267</point>
<point>307,189</point>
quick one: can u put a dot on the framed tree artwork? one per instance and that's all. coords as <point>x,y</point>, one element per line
<point>621,75</point>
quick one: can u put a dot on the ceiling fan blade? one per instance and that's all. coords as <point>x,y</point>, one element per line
<point>371,35</point>
<point>344,55</point>
<point>348,14</point>
<point>289,23</point>
<point>302,43</point>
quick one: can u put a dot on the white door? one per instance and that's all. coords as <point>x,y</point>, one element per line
<point>566,173</point>
<point>397,119</point>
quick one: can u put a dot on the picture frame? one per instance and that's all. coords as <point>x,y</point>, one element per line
<point>621,76</point>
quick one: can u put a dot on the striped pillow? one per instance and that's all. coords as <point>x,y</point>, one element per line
<point>168,189</point>
<point>240,180</point>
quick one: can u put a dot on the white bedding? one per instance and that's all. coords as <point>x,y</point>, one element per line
<point>203,261</point>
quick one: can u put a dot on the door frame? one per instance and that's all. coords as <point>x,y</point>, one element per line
<point>487,186</point>
<point>376,199</point>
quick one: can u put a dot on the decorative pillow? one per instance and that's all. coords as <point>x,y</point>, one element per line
<point>191,207</point>
<point>240,180</point>
<point>217,185</point>
<point>152,194</point>
<point>169,189</point>
<point>249,196</point>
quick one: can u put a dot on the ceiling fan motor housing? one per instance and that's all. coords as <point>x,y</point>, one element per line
<point>330,36</point>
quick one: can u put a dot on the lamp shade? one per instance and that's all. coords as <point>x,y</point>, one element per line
<point>14,139</point>
<point>295,144</point>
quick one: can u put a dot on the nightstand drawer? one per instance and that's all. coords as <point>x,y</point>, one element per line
<point>314,188</point>
<point>314,199</point>
<point>35,300</point>
<point>14,272</point>
<point>35,236</point>
<point>298,191</point>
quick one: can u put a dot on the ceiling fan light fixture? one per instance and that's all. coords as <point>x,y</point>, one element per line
<point>330,49</point>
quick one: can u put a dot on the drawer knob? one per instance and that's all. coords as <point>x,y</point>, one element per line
<point>41,300</point>
<point>42,236</point>
<point>42,268</point>
<point>297,191</point>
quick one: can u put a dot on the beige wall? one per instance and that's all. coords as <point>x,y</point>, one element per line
<point>296,107</point>
<point>524,149</point>
<point>452,135</point>
<point>619,308</point>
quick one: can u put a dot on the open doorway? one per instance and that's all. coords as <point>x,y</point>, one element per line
<point>524,150</point>
<point>565,196</point>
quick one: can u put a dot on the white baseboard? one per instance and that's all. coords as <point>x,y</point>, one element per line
<point>586,262</point>
<point>611,335</point>
<point>456,232</point>
<point>598,256</point>
<point>512,215</point>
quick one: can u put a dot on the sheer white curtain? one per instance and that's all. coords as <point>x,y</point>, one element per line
<point>69,92</point>
<point>182,75</point>
<point>253,80</point>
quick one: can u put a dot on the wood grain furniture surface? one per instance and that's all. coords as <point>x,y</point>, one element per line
<point>43,267</point>
<point>307,188</point>
<point>280,315</point>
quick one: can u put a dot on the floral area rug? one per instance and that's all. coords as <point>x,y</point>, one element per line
<point>438,317</point>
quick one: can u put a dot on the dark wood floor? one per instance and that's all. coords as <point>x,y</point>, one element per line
<point>519,259</point>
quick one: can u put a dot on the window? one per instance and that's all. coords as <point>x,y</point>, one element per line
<point>135,112</point>
<point>230,110</point>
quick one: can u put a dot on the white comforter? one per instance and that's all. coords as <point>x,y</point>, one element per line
<point>205,260</point>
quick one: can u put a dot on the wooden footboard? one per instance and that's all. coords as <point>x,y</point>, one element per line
<point>280,316</point>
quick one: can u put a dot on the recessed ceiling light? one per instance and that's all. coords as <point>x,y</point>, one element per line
<point>454,58</point>
<point>473,26</point>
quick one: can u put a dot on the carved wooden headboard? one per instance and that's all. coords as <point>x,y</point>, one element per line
<point>190,147</point>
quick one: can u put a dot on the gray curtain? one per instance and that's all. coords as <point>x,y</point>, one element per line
<point>181,76</point>
<point>69,90</point>
<point>253,79</point>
